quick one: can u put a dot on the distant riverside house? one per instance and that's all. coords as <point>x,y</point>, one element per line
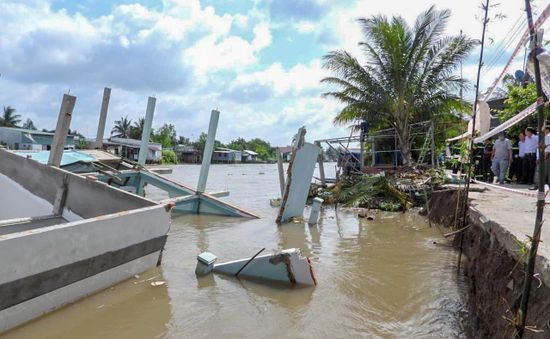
<point>129,149</point>
<point>226,155</point>
<point>28,139</point>
<point>249,156</point>
<point>286,152</point>
<point>188,154</point>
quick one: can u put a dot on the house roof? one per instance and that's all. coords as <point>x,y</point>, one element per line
<point>250,152</point>
<point>32,131</point>
<point>225,150</point>
<point>133,143</point>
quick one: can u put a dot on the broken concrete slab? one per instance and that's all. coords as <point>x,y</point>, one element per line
<point>287,266</point>
<point>299,175</point>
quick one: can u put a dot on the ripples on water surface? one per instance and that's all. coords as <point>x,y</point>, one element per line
<point>391,277</point>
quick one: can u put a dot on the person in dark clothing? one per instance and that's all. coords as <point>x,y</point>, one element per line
<point>530,158</point>
<point>487,162</point>
<point>513,173</point>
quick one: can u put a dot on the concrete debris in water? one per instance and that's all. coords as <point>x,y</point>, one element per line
<point>287,266</point>
<point>298,180</point>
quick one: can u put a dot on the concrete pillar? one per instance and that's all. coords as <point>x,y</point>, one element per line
<point>315,209</point>
<point>61,130</point>
<point>146,134</point>
<point>281,170</point>
<point>321,165</point>
<point>102,118</point>
<point>208,150</point>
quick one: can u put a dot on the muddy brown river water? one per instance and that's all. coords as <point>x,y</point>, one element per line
<point>387,278</point>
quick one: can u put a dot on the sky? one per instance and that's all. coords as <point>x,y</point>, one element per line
<point>258,61</point>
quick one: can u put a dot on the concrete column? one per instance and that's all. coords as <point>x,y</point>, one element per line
<point>208,150</point>
<point>281,170</point>
<point>146,134</point>
<point>315,209</point>
<point>102,117</point>
<point>61,130</point>
<point>321,165</point>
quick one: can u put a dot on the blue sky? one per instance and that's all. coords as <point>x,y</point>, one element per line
<point>258,61</point>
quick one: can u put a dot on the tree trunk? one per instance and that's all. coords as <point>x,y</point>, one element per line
<point>403,136</point>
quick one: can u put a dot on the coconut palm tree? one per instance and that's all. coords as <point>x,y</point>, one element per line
<point>9,117</point>
<point>408,74</point>
<point>137,129</point>
<point>122,128</point>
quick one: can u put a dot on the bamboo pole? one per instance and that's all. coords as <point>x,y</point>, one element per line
<point>530,269</point>
<point>471,149</point>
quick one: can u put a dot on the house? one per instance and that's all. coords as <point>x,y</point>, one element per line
<point>28,139</point>
<point>226,155</point>
<point>129,149</point>
<point>249,156</point>
<point>188,154</point>
<point>286,152</point>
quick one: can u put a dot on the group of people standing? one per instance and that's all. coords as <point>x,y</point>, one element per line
<point>501,159</point>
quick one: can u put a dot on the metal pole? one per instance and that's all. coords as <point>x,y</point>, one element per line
<point>281,170</point>
<point>321,166</point>
<point>61,130</point>
<point>146,134</point>
<point>530,269</point>
<point>102,117</point>
<point>471,150</point>
<point>208,150</point>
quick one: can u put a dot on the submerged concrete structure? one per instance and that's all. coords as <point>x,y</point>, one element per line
<point>287,267</point>
<point>63,237</point>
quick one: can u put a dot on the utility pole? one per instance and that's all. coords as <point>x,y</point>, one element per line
<point>530,269</point>
<point>471,149</point>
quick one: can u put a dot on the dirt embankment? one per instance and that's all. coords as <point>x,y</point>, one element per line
<point>495,278</point>
<point>496,282</point>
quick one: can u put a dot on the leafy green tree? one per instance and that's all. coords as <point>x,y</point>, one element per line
<point>9,117</point>
<point>166,136</point>
<point>122,128</point>
<point>238,144</point>
<point>519,98</point>
<point>201,142</point>
<point>183,140</point>
<point>408,77</point>
<point>29,125</point>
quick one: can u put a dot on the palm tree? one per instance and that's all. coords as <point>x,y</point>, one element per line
<point>122,128</point>
<point>137,129</point>
<point>29,124</point>
<point>9,117</point>
<point>409,74</point>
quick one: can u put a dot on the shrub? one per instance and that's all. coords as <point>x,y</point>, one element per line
<point>169,157</point>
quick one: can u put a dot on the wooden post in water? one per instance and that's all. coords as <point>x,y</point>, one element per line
<point>281,170</point>
<point>530,269</point>
<point>208,150</point>
<point>102,118</point>
<point>61,130</point>
<point>321,165</point>
<point>146,133</point>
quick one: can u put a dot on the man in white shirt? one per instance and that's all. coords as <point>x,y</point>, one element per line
<point>502,155</point>
<point>530,157</point>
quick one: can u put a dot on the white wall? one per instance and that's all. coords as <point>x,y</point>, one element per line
<point>17,202</point>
